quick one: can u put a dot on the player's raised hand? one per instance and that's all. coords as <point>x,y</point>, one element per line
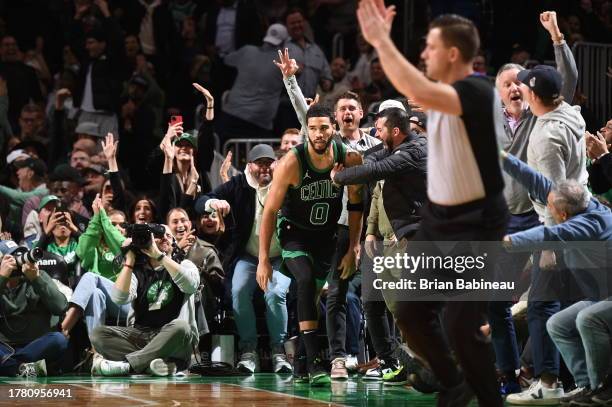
<point>287,65</point>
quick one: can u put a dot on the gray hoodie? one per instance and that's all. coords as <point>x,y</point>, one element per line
<point>515,141</point>
<point>557,150</point>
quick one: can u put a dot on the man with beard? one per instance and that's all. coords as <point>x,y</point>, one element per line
<point>348,115</point>
<point>245,195</point>
<point>464,191</point>
<point>165,333</point>
<point>402,164</point>
<point>311,207</point>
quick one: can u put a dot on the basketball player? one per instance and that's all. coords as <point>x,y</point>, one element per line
<point>310,206</point>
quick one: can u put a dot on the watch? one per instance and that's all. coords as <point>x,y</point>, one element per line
<point>161,256</point>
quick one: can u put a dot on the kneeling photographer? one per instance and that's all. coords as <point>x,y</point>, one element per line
<point>29,299</point>
<point>161,292</point>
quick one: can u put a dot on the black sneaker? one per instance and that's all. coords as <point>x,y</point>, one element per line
<point>458,396</point>
<point>574,394</point>
<point>420,377</point>
<point>318,374</point>
<point>604,398</point>
<point>588,399</point>
<point>300,370</point>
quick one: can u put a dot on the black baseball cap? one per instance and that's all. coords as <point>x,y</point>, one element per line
<point>544,80</point>
<point>37,165</point>
<point>64,172</point>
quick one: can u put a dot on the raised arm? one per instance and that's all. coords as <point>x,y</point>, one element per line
<point>288,68</point>
<point>109,148</point>
<point>375,21</point>
<point>566,65</point>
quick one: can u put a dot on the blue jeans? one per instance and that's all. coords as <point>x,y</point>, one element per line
<point>92,295</point>
<point>582,334</point>
<point>544,352</point>
<point>51,347</point>
<point>503,334</point>
<point>244,285</point>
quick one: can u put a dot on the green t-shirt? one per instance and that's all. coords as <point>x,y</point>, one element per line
<point>68,253</point>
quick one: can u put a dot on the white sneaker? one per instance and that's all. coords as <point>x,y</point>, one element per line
<point>33,369</point>
<point>373,374</point>
<point>351,363</point>
<point>249,362</point>
<point>113,368</point>
<point>280,364</point>
<point>160,368</point>
<point>338,369</point>
<point>95,364</point>
<point>536,395</point>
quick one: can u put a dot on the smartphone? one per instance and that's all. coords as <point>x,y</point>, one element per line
<point>176,119</point>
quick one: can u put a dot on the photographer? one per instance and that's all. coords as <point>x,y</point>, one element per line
<point>162,295</point>
<point>28,300</point>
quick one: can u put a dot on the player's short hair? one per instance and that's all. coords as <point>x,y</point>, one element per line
<point>319,110</point>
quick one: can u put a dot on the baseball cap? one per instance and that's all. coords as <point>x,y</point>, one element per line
<point>261,151</point>
<point>89,128</point>
<point>97,168</point>
<point>544,80</point>
<point>187,137</point>
<point>15,154</point>
<point>36,165</point>
<point>64,172</point>
<point>418,118</point>
<point>46,200</point>
<point>8,247</point>
<point>387,104</point>
<point>276,34</point>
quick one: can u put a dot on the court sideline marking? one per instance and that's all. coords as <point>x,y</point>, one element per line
<point>145,402</point>
<point>329,403</point>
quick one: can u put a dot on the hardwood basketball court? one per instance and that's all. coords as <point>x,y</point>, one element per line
<point>262,389</point>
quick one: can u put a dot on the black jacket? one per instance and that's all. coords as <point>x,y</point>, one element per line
<point>249,28</point>
<point>600,174</point>
<point>405,173</point>
<point>106,71</point>
<point>241,198</point>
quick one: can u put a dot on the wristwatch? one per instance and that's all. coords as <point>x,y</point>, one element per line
<point>161,256</point>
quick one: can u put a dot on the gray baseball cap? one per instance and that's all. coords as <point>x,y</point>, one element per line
<point>261,151</point>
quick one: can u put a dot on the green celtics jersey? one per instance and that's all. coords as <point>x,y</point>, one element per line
<point>316,203</point>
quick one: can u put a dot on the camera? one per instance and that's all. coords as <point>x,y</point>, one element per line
<point>30,256</point>
<point>26,256</point>
<point>141,234</point>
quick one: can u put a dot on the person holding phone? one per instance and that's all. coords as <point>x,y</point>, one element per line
<point>180,178</point>
<point>60,236</point>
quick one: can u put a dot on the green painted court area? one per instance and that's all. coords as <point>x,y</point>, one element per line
<point>262,389</point>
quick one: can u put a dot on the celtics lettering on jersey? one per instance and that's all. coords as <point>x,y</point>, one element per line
<point>316,203</point>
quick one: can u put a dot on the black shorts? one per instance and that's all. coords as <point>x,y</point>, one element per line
<point>318,246</point>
